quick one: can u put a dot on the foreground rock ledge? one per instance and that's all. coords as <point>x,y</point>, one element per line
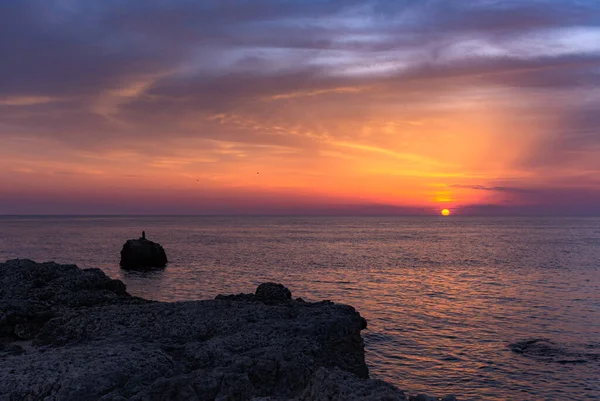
<point>72,334</point>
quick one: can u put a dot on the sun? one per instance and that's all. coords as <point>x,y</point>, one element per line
<point>445,212</point>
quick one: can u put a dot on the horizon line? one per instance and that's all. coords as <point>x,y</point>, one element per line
<point>454,215</point>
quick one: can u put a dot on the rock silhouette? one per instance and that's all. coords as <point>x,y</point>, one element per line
<point>142,254</point>
<point>273,291</point>
<point>90,340</point>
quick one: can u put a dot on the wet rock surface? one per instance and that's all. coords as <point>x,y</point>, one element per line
<point>142,254</point>
<point>71,334</point>
<point>546,350</point>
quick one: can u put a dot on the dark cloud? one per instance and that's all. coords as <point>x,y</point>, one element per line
<point>543,202</point>
<point>573,141</point>
<point>66,47</point>
<point>58,58</point>
<point>585,210</point>
<point>553,198</point>
<point>494,189</point>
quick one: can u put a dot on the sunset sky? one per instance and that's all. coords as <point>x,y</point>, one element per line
<point>298,106</point>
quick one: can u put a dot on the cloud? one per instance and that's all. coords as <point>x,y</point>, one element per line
<point>26,100</point>
<point>503,88</point>
<point>494,189</point>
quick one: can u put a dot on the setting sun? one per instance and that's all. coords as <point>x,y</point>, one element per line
<point>445,212</point>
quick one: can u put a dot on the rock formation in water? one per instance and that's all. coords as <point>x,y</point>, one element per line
<point>549,351</point>
<point>71,334</point>
<point>142,254</point>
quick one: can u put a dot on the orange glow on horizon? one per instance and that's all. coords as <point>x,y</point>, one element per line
<point>386,161</point>
<point>440,152</point>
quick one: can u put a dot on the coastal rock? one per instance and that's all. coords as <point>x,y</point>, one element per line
<point>337,385</point>
<point>117,347</point>
<point>142,254</point>
<point>59,285</point>
<point>548,351</point>
<point>273,291</point>
<point>33,293</point>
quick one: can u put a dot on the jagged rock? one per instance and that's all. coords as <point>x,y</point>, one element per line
<point>273,291</point>
<point>55,284</point>
<point>10,349</point>
<point>33,293</point>
<point>337,385</point>
<point>142,254</point>
<point>117,347</point>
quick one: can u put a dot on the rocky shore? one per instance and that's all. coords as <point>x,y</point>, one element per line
<point>73,334</point>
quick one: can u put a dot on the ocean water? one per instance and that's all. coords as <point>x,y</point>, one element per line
<point>444,297</point>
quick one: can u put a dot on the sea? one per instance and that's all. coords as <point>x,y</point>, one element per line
<point>448,300</point>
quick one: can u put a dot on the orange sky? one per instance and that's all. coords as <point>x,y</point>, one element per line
<point>314,108</point>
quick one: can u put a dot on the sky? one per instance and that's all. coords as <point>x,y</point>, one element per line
<point>484,107</point>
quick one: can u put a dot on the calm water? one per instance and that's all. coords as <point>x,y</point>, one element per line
<point>443,296</point>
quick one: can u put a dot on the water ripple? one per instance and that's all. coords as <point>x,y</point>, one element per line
<point>450,302</point>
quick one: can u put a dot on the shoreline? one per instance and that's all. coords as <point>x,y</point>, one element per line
<point>68,333</point>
